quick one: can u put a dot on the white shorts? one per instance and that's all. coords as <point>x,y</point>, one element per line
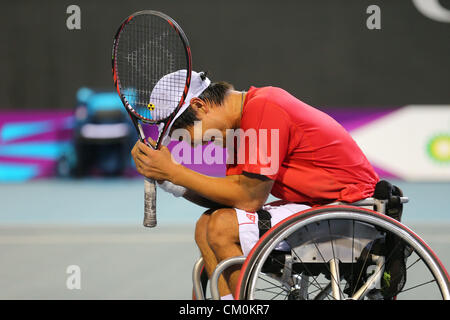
<point>248,223</point>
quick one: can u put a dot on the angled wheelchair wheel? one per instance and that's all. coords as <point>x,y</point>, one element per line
<point>342,252</point>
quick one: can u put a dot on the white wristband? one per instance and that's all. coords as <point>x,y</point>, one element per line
<point>176,190</point>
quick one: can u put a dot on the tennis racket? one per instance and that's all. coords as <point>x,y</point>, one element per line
<point>152,65</point>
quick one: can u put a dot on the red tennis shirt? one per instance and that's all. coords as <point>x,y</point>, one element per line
<point>311,157</point>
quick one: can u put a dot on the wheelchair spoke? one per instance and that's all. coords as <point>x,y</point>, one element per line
<point>419,285</point>
<point>306,268</point>
<point>274,284</point>
<point>317,248</point>
<point>279,294</point>
<point>336,277</point>
<point>320,253</point>
<point>269,288</point>
<point>413,263</point>
<point>387,259</point>
<point>314,291</point>
<point>270,291</point>
<point>353,249</point>
<point>318,286</point>
<point>384,263</point>
<point>362,268</point>
<point>274,291</point>
<point>399,275</point>
<point>324,293</point>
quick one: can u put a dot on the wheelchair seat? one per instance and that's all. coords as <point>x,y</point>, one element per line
<point>387,199</point>
<point>368,240</point>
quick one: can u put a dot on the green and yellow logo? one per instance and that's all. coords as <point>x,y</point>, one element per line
<point>439,148</point>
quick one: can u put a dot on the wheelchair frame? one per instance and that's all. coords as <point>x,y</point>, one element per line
<point>333,287</point>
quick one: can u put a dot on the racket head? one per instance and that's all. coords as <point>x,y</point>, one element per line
<point>152,66</point>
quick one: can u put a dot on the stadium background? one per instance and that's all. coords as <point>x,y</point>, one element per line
<point>388,87</point>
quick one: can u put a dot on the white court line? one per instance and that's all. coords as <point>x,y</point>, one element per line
<point>94,239</point>
<point>131,239</point>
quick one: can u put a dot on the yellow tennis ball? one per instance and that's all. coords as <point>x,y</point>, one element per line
<point>151,106</point>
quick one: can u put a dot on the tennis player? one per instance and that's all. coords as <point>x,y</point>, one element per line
<point>303,157</point>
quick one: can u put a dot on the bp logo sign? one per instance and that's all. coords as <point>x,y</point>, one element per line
<point>439,148</point>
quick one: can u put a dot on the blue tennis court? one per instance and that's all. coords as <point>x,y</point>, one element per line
<point>48,225</point>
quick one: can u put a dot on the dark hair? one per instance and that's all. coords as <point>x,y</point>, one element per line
<point>215,94</point>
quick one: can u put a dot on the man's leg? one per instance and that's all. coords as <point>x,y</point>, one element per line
<point>207,253</point>
<point>223,238</point>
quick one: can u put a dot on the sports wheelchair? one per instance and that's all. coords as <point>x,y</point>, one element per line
<point>353,251</point>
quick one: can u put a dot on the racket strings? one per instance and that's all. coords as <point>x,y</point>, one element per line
<point>151,64</point>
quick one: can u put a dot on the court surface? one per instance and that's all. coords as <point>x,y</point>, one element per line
<point>48,225</point>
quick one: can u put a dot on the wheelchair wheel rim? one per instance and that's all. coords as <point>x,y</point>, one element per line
<point>360,215</point>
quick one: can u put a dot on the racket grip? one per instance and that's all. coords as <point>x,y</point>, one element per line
<point>150,203</point>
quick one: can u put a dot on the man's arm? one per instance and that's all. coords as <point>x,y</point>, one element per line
<point>245,191</point>
<point>199,200</point>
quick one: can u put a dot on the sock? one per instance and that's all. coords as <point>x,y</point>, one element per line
<point>227,297</point>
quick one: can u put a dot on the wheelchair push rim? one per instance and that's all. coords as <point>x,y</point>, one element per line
<point>254,263</point>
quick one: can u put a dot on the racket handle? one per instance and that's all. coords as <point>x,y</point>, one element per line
<point>150,203</point>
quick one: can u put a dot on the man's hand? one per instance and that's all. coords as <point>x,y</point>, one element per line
<point>151,163</point>
<point>246,191</point>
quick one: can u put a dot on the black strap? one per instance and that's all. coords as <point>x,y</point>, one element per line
<point>384,190</point>
<point>264,222</point>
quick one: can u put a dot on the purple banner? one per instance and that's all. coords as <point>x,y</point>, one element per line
<point>31,142</point>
